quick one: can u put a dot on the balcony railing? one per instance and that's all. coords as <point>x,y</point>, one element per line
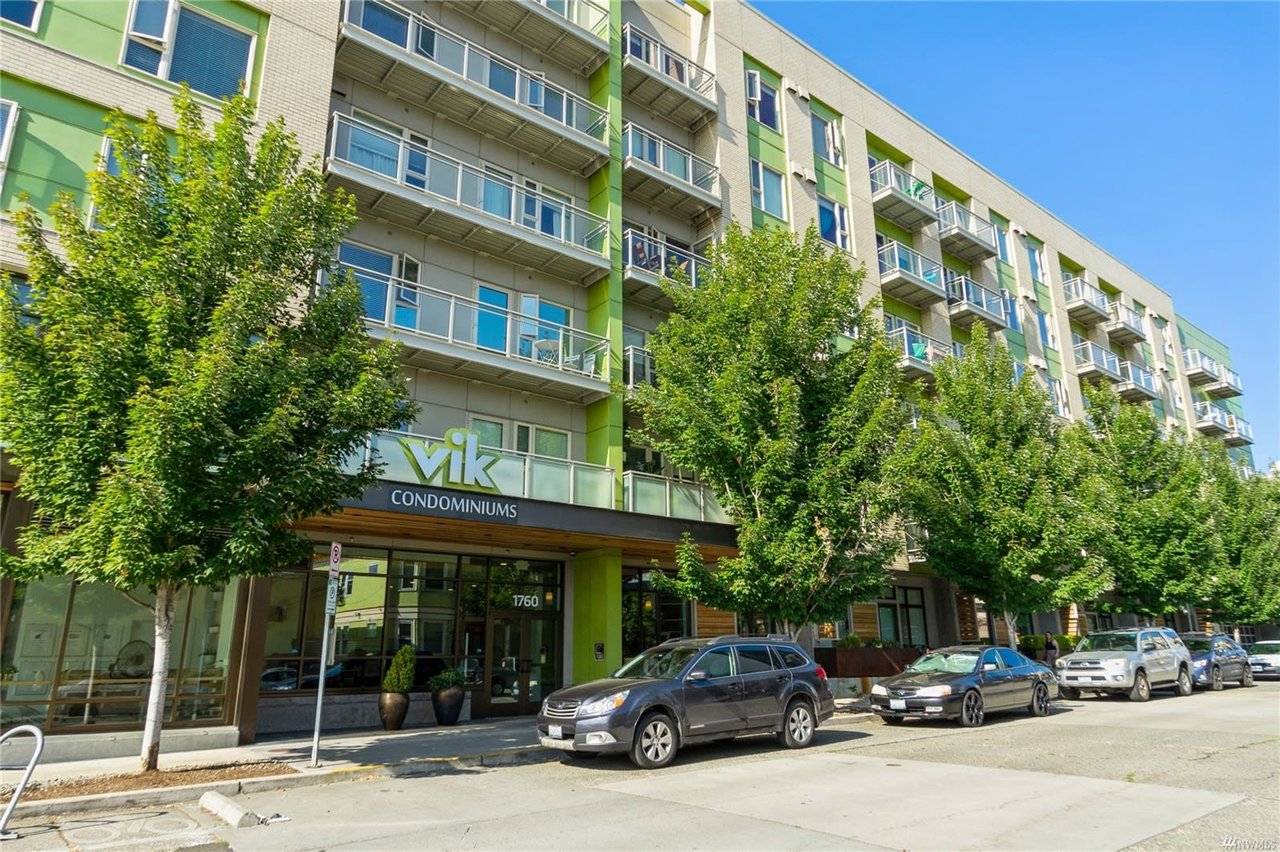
<point>515,474</point>
<point>963,290</point>
<point>669,158</point>
<point>397,304</point>
<point>889,174</point>
<point>1090,354</point>
<point>642,252</point>
<point>1239,431</point>
<point>953,218</point>
<point>440,177</point>
<point>1126,319</point>
<point>1078,290</point>
<point>672,65</point>
<point>583,13</point>
<point>637,366</point>
<point>1138,376</point>
<point>672,498</point>
<point>918,347</point>
<point>417,35</point>
<point>1210,417</point>
<point>1229,383</point>
<point>920,277</point>
<point>1195,361</point>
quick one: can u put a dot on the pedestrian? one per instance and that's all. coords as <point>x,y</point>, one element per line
<point>1050,648</point>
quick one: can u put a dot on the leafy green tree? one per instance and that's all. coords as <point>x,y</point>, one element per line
<point>778,389</point>
<point>1012,512</point>
<point>1244,585</point>
<point>188,389</point>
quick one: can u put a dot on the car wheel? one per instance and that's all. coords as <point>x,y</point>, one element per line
<point>1215,679</point>
<point>1247,680</point>
<point>1070,693</point>
<point>1040,700</point>
<point>971,712</point>
<point>1141,687</point>
<point>655,742</point>
<point>1184,682</point>
<point>798,725</point>
<point>892,720</point>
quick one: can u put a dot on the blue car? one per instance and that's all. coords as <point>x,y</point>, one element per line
<point>1216,659</point>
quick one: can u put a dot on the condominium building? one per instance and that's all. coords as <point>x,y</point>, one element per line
<point>525,172</point>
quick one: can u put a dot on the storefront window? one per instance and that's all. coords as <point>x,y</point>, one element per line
<point>902,617</point>
<point>649,617</point>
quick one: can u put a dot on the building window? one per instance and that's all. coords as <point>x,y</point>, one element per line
<point>8,129</point>
<point>762,101</point>
<point>901,617</point>
<point>826,140</point>
<point>24,13</point>
<point>766,190</point>
<point>1058,394</point>
<point>1048,337</point>
<point>1019,369</point>
<point>1002,241</point>
<point>1011,310</point>
<point>649,617</point>
<point>178,44</point>
<point>833,222</point>
<point>1035,257</point>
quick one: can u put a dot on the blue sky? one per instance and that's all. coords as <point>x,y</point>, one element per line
<point>1150,128</point>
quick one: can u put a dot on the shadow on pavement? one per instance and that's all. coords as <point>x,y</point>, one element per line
<point>744,746</point>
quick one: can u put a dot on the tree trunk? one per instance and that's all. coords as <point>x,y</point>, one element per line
<point>166,597</point>
<point>1011,627</point>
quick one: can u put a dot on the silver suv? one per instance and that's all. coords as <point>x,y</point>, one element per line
<point>1131,660</point>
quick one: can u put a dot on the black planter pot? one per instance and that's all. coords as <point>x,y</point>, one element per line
<point>392,708</point>
<point>447,704</point>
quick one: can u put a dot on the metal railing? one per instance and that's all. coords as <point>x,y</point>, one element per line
<point>399,304</point>
<point>1088,352</point>
<point>1079,290</point>
<point>671,498</point>
<point>1230,377</point>
<point>886,173</point>
<point>33,731</point>
<point>963,289</point>
<point>515,474</point>
<point>1138,375</point>
<point>667,62</point>
<point>582,13</point>
<point>1125,315</point>
<point>669,158</point>
<point>952,215</point>
<point>418,36</point>
<point>1240,426</point>
<point>1207,412</point>
<point>1194,359</point>
<point>917,346</point>
<point>894,255</point>
<point>637,366</point>
<point>370,148</point>
<point>641,251</point>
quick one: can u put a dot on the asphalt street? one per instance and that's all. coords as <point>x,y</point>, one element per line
<point>1176,773</point>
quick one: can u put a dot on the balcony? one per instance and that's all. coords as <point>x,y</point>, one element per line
<point>1239,433</point>
<point>637,367</point>
<point>1086,304</point>
<point>1137,383</point>
<point>919,353</point>
<point>574,33</point>
<point>405,53</point>
<point>1228,384</point>
<point>670,498</point>
<point>1212,420</point>
<point>969,302</point>
<point>472,340</point>
<point>514,474</point>
<point>665,82</point>
<point>1094,362</point>
<point>965,234</point>
<point>900,197</point>
<point>909,276</point>
<point>1200,368</point>
<point>667,177</point>
<point>1124,325</point>
<point>412,186</point>
<point>646,260</point>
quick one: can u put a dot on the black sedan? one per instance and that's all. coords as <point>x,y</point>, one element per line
<point>965,682</point>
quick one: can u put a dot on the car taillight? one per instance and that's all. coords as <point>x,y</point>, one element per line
<point>822,673</point>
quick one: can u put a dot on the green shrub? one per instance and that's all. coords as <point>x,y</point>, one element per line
<point>881,643</point>
<point>399,676</point>
<point>1066,642</point>
<point>853,640</point>
<point>1033,642</point>
<point>447,679</point>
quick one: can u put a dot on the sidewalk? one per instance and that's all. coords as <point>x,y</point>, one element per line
<point>343,756</point>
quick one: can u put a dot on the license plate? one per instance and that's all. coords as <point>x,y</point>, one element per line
<point>555,731</point>
<point>897,704</point>
<point>1257,668</point>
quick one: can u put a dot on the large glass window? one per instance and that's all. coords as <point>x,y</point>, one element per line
<point>178,44</point>
<point>766,190</point>
<point>826,140</point>
<point>902,618</point>
<point>649,617</point>
<point>833,222</point>
<point>762,101</point>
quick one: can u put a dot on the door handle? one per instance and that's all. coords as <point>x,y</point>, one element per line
<point>783,678</point>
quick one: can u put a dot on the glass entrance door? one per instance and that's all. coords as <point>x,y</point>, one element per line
<point>523,662</point>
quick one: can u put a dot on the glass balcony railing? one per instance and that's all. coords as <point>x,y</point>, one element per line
<point>1208,414</point>
<point>670,64</point>
<point>1230,378</point>
<point>671,498</point>
<point>1138,375</point>
<point>1195,360</point>
<point>1240,428</point>
<point>889,174</point>
<point>397,304</point>
<point>961,289</point>
<point>894,255</point>
<point>642,251</point>
<point>514,474</point>
<point>1089,353</point>
<point>669,158</point>
<point>1079,290</point>
<point>637,366</point>
<point>440,177</point>
<point>917,346</point>
<point>1126,316</point>
<point>952,215</point>
<point>418,36</point>
<point>583,13</point>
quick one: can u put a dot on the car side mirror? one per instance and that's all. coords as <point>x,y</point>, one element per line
<point>989,667</point>
<point>1148,646</point>
<point>697,676</point>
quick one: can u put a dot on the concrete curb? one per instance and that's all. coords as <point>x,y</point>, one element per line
<point>227,810</point>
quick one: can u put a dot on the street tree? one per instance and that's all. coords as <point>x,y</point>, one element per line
<point>1243,586</point>
<point>181,385</point>
<point>1012,512</point>
<point>778,389</point>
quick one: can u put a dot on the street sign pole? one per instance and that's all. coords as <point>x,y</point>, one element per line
<point>330,607</point>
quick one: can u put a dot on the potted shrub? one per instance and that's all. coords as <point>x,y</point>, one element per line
<point>446,696</point>
<point>393,704</point>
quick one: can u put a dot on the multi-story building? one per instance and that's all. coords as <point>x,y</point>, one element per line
<point>525,172</point>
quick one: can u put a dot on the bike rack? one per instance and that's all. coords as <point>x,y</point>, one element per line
<point>5,834</point>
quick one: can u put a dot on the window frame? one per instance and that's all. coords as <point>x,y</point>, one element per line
<point>758,168</point>
<point>1048,335</point>
<point>833,148</point>
<point>35,18</point>
<point>165,44</point>
<point>1013,312</point>
<point>841,215</point>
<point>754,103</point>
<point>7,134</point>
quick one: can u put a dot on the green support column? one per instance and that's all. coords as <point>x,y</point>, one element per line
<point>597,613</point>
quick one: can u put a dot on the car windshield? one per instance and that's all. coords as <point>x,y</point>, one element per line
<point>956,662</point>
<point>1196,644</point>
<point>658,663</point>
<point>1265,648</point>
<point>1109,642</point>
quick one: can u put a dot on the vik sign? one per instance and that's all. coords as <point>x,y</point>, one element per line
<point>457,460</point>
